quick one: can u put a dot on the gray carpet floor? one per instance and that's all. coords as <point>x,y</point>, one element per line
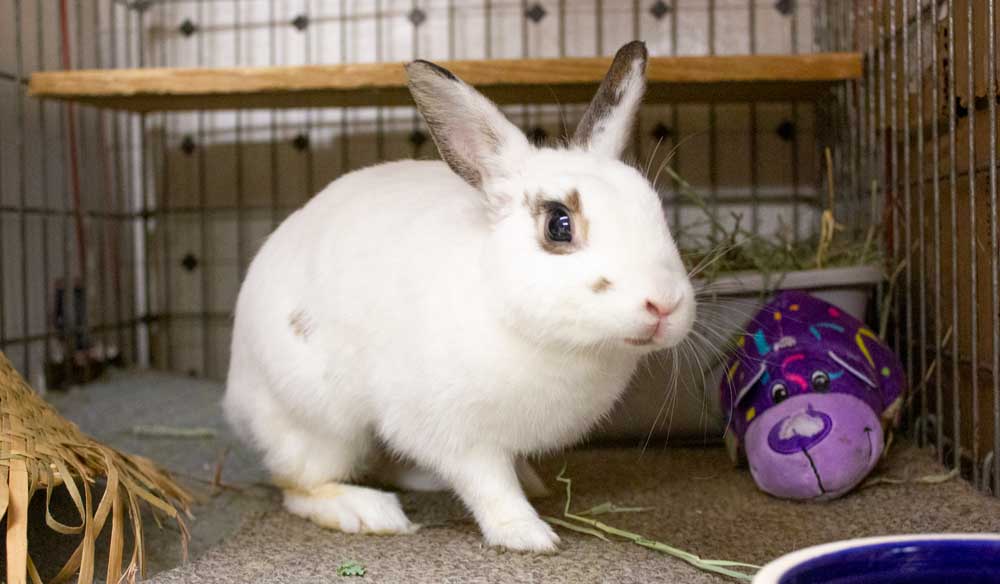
<point>697,501</point>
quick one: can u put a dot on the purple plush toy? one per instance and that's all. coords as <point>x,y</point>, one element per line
<point>807,394</point>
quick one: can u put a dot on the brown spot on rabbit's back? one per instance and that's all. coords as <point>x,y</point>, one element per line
<point>601,285</point>
<point>301,324</point>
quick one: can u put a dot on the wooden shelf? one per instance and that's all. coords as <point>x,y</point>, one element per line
<point>569,80</point>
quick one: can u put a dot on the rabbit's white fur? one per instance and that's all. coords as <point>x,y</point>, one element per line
<point>405,311</point>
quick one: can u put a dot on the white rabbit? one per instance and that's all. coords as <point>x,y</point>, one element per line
<point>457,315</point>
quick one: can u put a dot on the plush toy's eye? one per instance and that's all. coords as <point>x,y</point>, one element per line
<point>559,224</point>
<point>820,381</point>
<point>779,392</point>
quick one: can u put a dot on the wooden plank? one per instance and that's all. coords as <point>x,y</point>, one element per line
<point>569,80</point>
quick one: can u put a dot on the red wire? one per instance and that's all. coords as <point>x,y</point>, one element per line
<point>81,240</point>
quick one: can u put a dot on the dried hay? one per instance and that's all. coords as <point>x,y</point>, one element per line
<point>584,522</point>
<point>39,449</point>
<point>729,248</point>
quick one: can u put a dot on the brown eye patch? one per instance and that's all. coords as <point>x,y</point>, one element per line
<point>554,218</point>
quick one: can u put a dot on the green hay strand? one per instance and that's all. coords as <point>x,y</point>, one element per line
<point>575,527</point>
<point>610,507</point>
<point>597,529</point>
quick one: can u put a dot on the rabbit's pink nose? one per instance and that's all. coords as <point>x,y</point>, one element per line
<point>660,310</point>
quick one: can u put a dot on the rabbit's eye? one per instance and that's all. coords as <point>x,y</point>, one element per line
<point>559,225</point>
<point>779,393</point>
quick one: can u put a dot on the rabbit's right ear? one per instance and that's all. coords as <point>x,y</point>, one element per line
<point>471,133</point>
<point>607,124</point>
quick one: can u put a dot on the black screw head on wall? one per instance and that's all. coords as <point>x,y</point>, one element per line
<point>786,130</point>
<point>538,135</point>
<point>187,28</point>
<point>417,138</point>
<point>785,7</point>
<point>189,262</point>
<point>659,9</point>
<point>187,145</point>
<point>536,13</point>
<point>417,17</point>
<point>300,141</point>
<point>300,22</point>
<point>662,131</point>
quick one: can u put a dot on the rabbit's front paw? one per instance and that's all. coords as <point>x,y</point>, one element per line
<point>528,534</point>
<point>350,509</point>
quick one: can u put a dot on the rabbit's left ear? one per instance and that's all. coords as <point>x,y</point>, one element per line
<point>471,133</point>
<point>606,126</point>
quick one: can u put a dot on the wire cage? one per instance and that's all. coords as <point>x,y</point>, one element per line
<point>125,234</point>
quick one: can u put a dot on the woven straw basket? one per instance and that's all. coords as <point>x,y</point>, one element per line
<point>41,450</point>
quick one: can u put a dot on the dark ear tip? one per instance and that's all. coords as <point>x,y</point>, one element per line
<point>634,50</point>
<point>416,66</point>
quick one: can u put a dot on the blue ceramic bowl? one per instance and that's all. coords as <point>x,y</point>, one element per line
<point>902,559</point>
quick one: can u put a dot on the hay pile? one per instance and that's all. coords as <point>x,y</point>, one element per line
<point>728,247</point>
<point>41,450</point>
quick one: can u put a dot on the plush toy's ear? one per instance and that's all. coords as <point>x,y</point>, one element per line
<point>749,384</point>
